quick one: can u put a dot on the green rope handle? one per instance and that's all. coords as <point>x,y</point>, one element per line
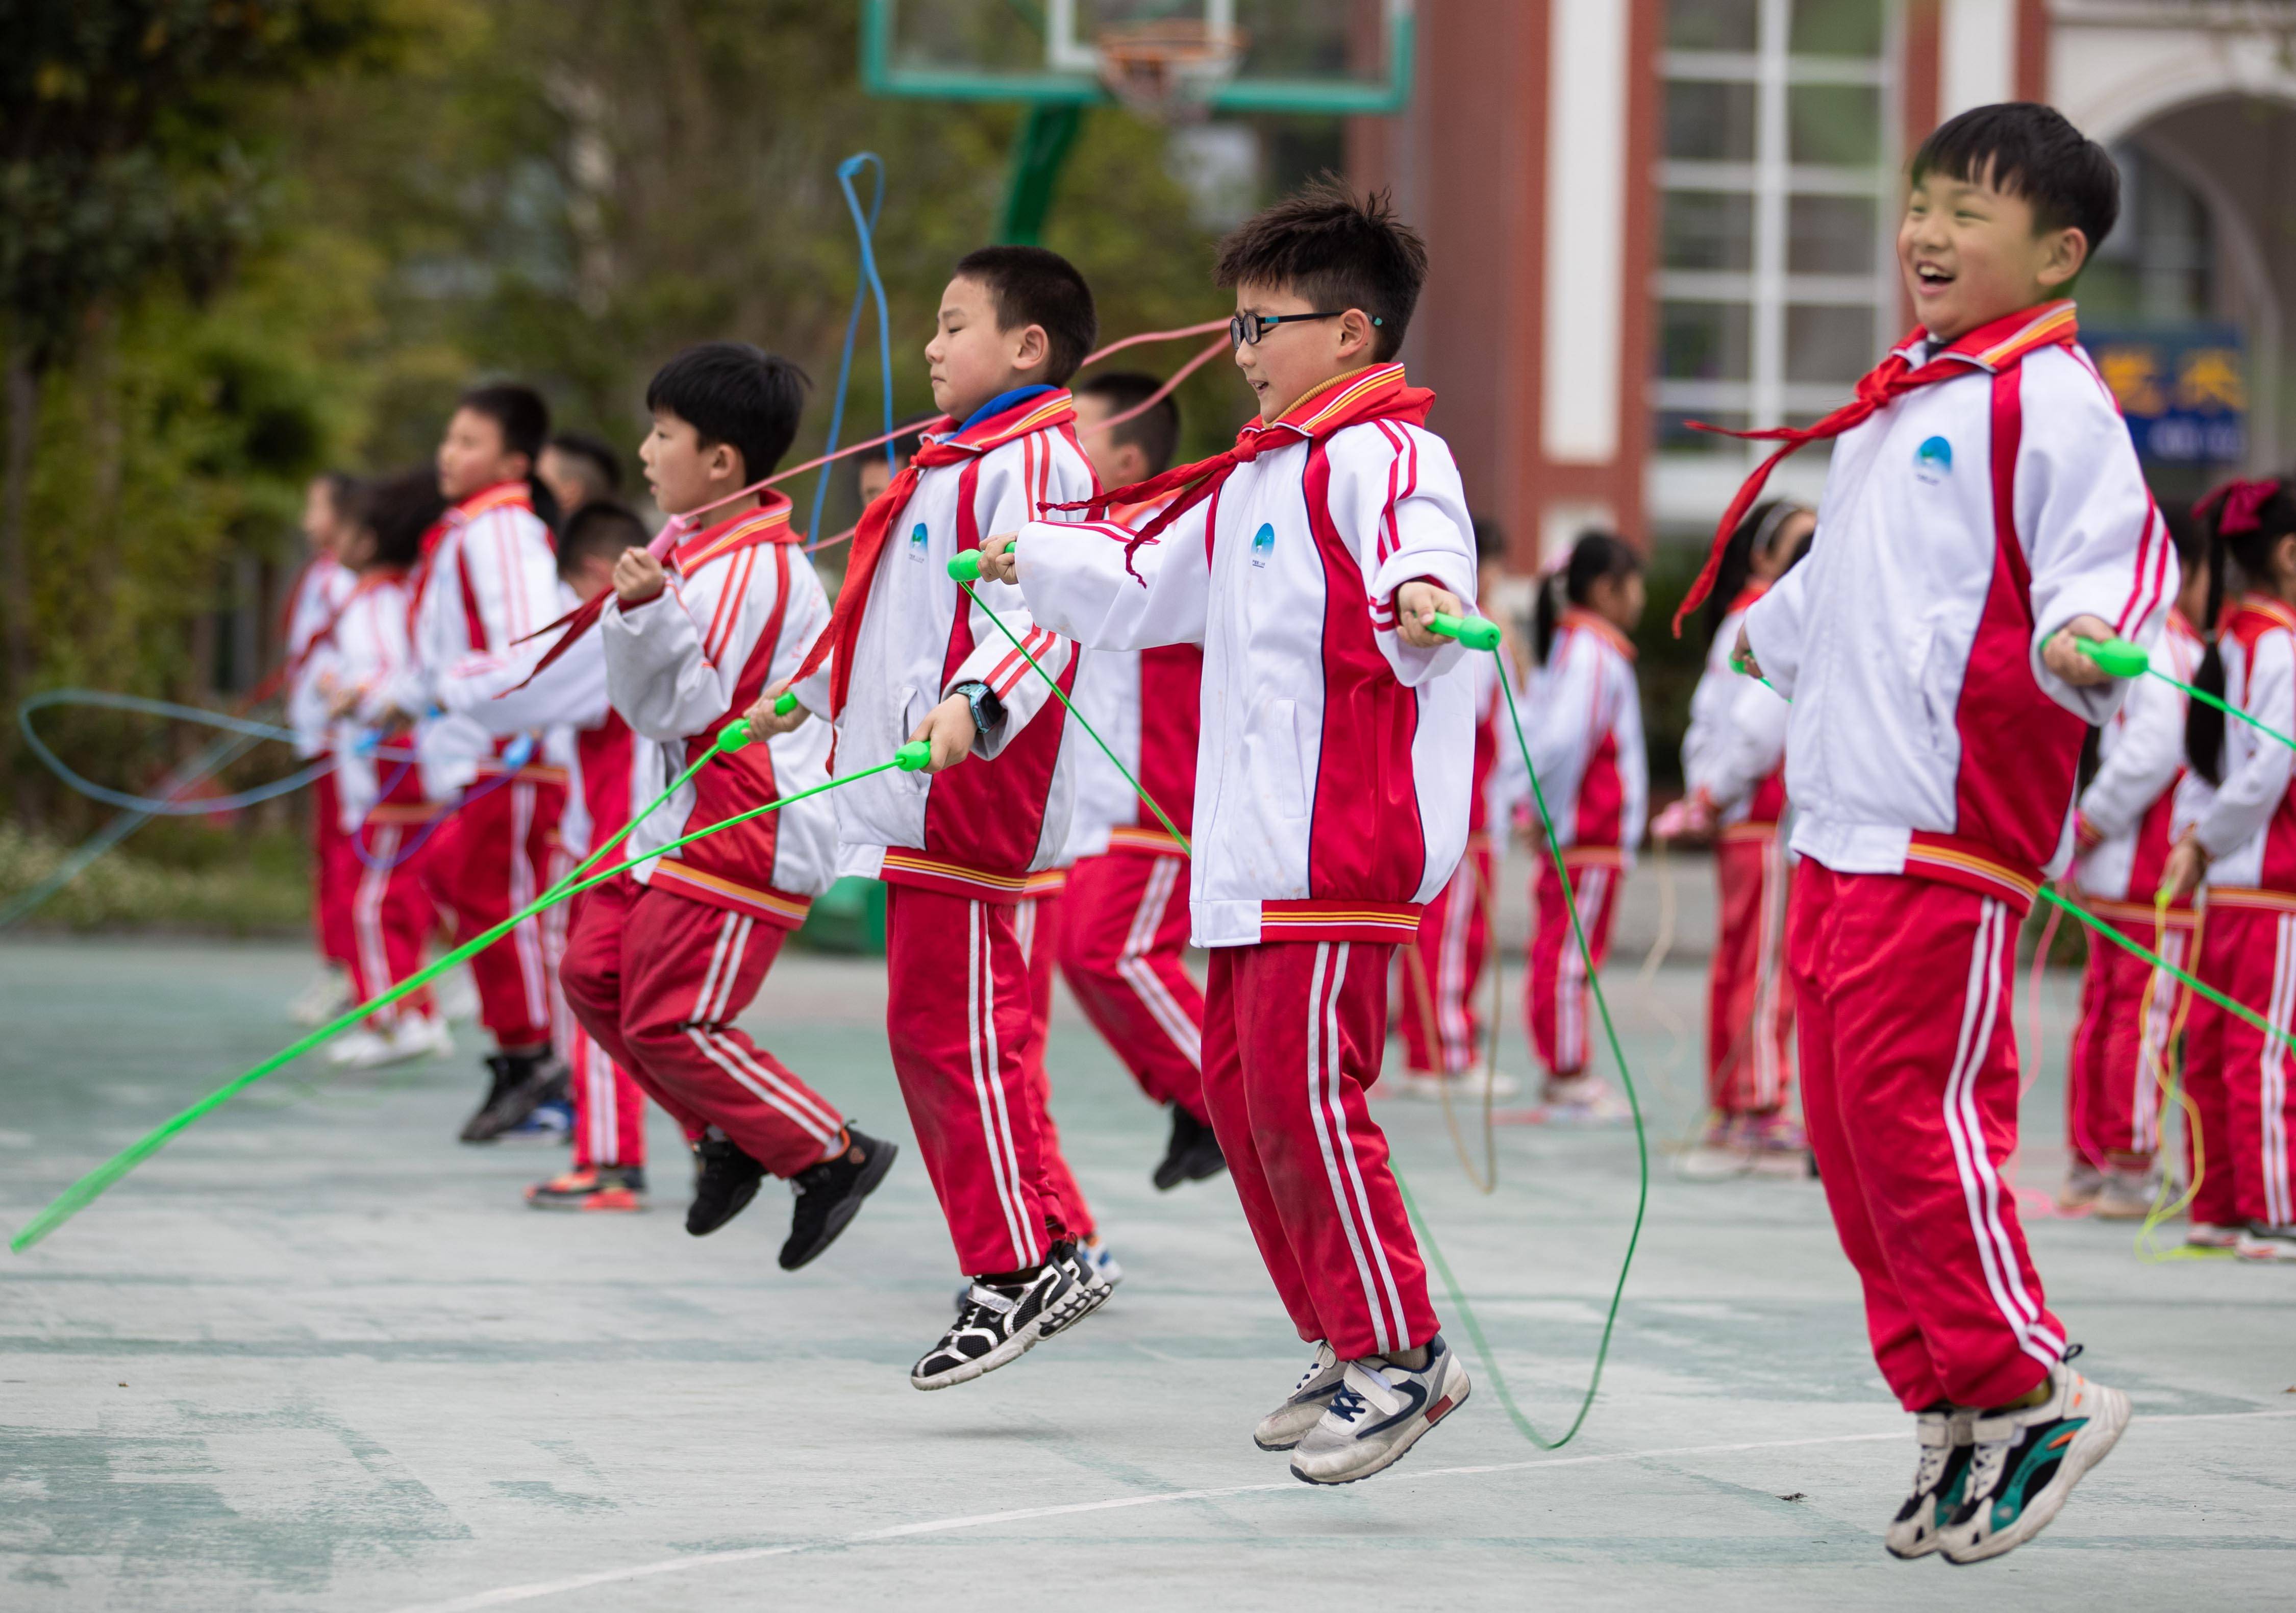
<point>2123,659</point>
<point>84,1192</point>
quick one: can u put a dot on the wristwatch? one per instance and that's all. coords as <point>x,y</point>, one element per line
<point>987,711</point>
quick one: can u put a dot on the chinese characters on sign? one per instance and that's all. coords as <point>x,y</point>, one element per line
<point>2183,391</point>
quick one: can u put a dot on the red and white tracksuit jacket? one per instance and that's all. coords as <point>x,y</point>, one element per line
<point>957,848</point>
<point>662,961</point>
<point>1931,757</point>
<point>1733,756</point>
<point>1586,738</point>
<point>1442,1030</point>
<point>313,607</point>
<point>2124,829</point>
<point>2238,1077</point>
<point>383,823</point>
<point>1332,775</point>
<point>489,579</point>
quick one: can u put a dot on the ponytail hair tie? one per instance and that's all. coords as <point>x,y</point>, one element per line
<point>2239,506</point>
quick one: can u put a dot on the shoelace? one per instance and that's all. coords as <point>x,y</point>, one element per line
<point>1349,1404</point>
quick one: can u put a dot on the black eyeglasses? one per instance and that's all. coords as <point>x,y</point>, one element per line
<point>1251,327</point>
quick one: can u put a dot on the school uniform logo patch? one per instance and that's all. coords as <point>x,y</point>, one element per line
<point>1933,460</point>
<point>1263,544</point>
<point>917,543</point>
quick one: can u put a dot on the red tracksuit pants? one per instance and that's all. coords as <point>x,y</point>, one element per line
<point>1293,1033</point>
<point>386,910</point>
<point>657,980</point>
<point>1038,922</point>
<point>958,1017</point>
<point>1441,1031</point>
<point>2238,1077</point>
<point>609,1105</point>
<point>331,898</point>
<point>2121,1045</point>
<point>1558,1003</point>
<point>1124,927</point>
<point>1749,1001</point>
<point>1904,999</point>
<point>485,864</point>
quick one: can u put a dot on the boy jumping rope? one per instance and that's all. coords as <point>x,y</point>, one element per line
<point>1333,778</point>
<point>908,657</point>
<point>1984,510</point>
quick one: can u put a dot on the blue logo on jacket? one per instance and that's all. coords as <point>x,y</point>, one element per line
<point>917,542</point>
<point>1263,544</point>
<point>1933,460</point>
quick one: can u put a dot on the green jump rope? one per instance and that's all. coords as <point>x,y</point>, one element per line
<point>1474,633</point>
<point>734,736</point>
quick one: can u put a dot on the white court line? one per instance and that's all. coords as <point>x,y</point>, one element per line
<point>712,1560</point>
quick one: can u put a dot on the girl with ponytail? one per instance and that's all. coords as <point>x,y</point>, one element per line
<point>2241,844</point>
<point>1586,739</point>
<point>1733,763</point>
<point>2122,831</point>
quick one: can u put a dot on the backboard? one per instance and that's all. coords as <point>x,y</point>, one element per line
<point>1299,56</point>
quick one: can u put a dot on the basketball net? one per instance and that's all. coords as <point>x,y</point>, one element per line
<point>1167,70</point>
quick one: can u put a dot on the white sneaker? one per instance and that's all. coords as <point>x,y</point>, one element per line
<point>423,1036</point>
<point>328,995</point>
<point>1947,1440</point>
<point>2261,1242</point>
<point>457,995</point>
<point>2203,1235</point>
<point>1379,1412</point>
<point>365,1050</point>
<point>1103,1261</point>
<point>1468,1086</point>
<point>1303,1409</point>
<point>1582,1100</point>
<point>2026,1463</point>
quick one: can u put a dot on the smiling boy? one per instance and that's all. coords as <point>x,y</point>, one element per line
<point>1334,767</point>
<point>909,656</point>
<point>1983,510</point>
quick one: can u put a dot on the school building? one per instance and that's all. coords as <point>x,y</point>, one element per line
<point>1647,212</point>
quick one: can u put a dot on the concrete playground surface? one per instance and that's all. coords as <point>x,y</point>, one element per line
<point>318,1356</point>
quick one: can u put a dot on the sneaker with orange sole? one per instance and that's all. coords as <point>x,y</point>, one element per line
<point>602,1188</point>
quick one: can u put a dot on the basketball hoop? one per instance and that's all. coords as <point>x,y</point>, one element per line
<point>1167,70</point>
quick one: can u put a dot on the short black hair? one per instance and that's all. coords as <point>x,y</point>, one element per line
<point>736,394</point>
<point>519,410</point>
<point>1154,431</point>
<point>344,491</point>
<point>1337,250</point>
<point>1032,286</point>
<point>1490,539</point>
<point>596,452</point>
<point>2022,148</point>
<point>603,527</point>
<point>398,509</point>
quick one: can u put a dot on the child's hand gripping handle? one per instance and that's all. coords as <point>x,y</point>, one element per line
<point>1475,632</point>
<point>2117,656</point>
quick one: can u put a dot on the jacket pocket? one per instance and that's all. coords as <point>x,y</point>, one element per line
<point>1276,762</point>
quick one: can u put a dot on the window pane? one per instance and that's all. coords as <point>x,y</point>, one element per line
<point>1704,341</point>
<point>1712,25</point>
<point>1670,433</point>
<point>1707,230</point>
<point>1835,124</point>
<point>1834,345</point>
<point>1837,28</point>
<point>1830,236</point>
<point>1709,122</point>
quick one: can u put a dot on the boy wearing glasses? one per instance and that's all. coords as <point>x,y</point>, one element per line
<point>1333,777</point>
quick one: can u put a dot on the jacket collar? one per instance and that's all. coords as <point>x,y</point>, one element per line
<point>768,522</point>
<point>2001,343</point>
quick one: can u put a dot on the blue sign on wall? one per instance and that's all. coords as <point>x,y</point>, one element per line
<point>2184,390</point>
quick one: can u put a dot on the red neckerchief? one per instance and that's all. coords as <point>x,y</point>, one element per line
<point>1601,627</point>
<point>501,495</point>
<point>1746,597</point>
<point>1376,393</point>
<point>1039,413</point>
<point>1999,346</point>
<point>768,522</point>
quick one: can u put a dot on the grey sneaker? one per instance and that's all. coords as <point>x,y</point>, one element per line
<point>2262,1242</point>
<point>2083,1182</point>
<point>1379,1412</point>
<point>2026,1463</point>
<point>1945,1436</point>
<point>2127,1195</point>
<point>1288,1423</point>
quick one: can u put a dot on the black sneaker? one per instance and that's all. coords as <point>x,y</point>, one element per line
<point>1000,1323</point>
<point>829,1195</point>
<point>1191,1154</point>
<point>724,1181</point>
<point>521,1083</point>
<point>1091,1291</point>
